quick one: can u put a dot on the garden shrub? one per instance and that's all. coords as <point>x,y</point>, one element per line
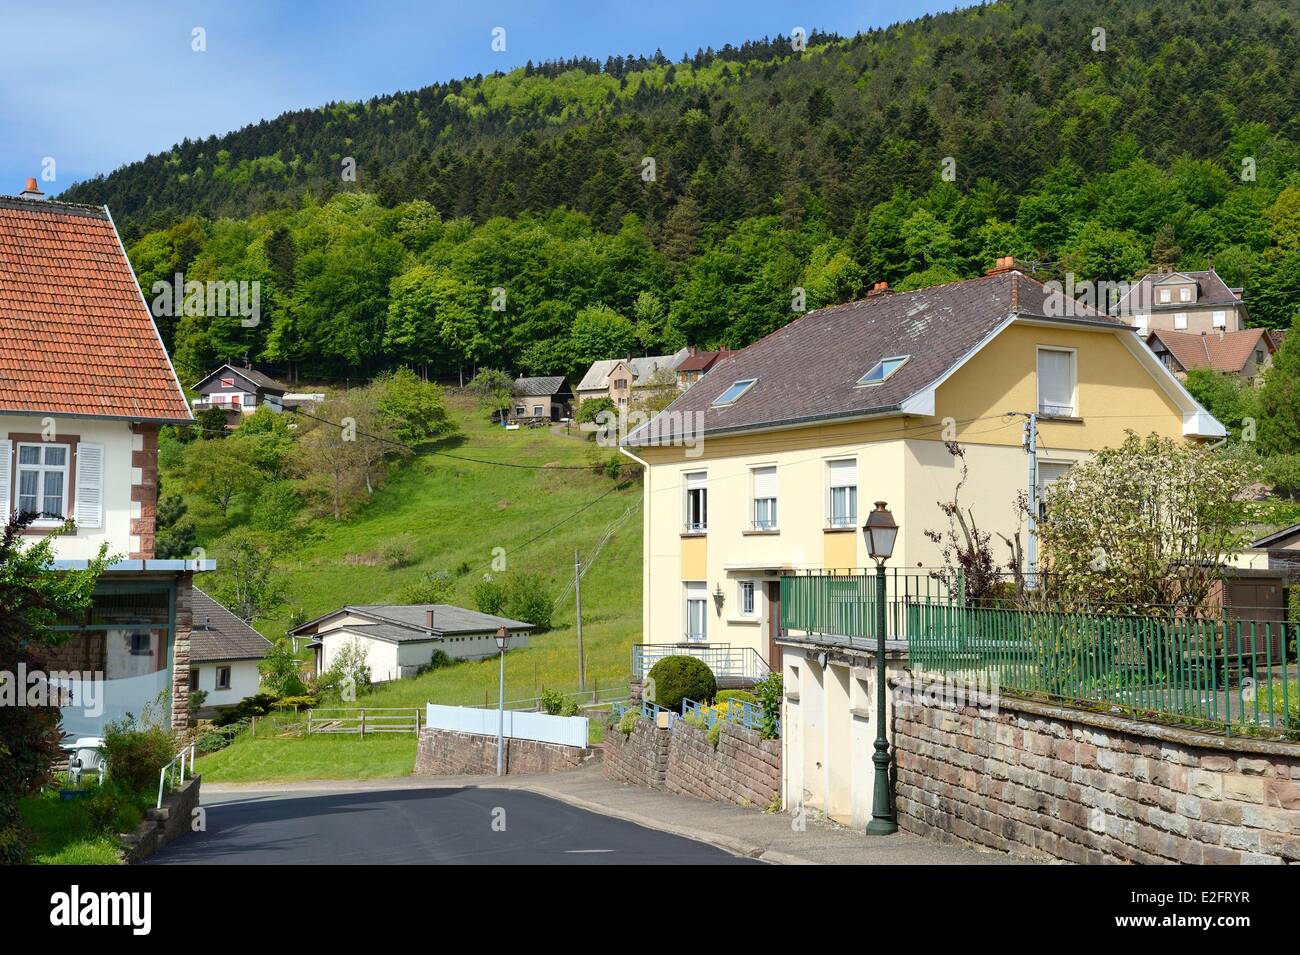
<point>677,678</point>
<point>555,703</point>
<point>398,552</point>
<point>432,587</point>
<point>490,595</point>
<point>742,695</point>
<point>528,598</point>
<point>627,723</point>
<point>136,753</point>
<point>769,691</point>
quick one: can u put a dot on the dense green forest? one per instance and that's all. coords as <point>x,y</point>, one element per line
<point>511,220</point>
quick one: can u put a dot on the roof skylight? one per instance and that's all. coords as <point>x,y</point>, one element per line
<point>882,369</point>
<point>732,394</point>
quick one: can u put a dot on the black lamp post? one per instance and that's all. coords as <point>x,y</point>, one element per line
<point>881,531</point>
<point>503,638</point>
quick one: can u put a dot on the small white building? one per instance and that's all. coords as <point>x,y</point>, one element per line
<point>399,639</point>
<point>224,654</point>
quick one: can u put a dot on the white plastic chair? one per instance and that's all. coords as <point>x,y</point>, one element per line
<point>88,757</point>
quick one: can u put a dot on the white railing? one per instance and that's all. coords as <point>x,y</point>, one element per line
<point>542,727</point>
<point>177,769</point>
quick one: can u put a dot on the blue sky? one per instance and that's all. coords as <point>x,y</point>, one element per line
<point>95,85</point>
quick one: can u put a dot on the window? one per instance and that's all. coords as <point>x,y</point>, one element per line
<point>697,501</point>
<point>764,498</point>
<point>43,480</point>
<point>730,396</point>
<point>519,411</point>
<point>1048,474</point>
<point>537,411</point>
<point>1259,356</point>
<point>141,644</point>
<point>1164,295</point>
<point>1184,294</point>
<point>1143,322</point>
<point>194,680</point>
<point>223,678</point>
<point>1180,320</point>
<point>747,598</point>
<point>697,607</point>
<point>620,384</point>
<point>883,369</point>
<point>842,508</point>
<point>227,382</point>
<point>1056,382</point>
<point>1220,319</point>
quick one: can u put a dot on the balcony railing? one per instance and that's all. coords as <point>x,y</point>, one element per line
<point>841,606</point>
<point>726,662</point>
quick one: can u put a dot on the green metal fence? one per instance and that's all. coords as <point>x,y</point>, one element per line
<point>841,606</point>
<point>1234,675</point>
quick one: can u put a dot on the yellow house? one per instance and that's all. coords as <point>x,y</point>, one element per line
<point>771,463</point>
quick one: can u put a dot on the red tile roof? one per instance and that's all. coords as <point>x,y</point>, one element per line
<point>1226,351</point>
<point>703,360</point>
<point>75,335</point>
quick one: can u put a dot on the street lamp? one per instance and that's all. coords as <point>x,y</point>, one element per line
<point>502,639</point>
<point>880,532</point>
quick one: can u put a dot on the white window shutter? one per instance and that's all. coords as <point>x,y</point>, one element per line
<point>764,482</point>
<point>6,481</point>
<point>89,511</point>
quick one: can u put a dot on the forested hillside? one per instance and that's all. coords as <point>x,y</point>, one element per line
<point>773,170</point>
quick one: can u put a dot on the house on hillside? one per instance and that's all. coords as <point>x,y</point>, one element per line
<point>1245,353</point>
<point>545,399</point>
<point>693,367</point>
<point>1190,302</point>
<point>85,386</point>
<point>400,639</point>
<point>624,380</point>
<point>758,481</point>
<point>238,391</point>
<point>224,654</point>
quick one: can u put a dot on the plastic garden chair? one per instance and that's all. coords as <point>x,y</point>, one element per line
<point>88,758</point>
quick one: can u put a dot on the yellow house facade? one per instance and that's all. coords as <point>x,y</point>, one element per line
<point>771,464</point>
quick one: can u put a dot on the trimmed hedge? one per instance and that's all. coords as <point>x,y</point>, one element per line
<point>679,678</point>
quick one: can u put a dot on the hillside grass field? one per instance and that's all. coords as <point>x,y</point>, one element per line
<point>456,512</point>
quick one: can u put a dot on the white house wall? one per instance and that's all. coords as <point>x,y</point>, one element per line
<point>245,681</point>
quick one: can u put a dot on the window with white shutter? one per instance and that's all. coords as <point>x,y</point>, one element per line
<point>697,501</point>
<point>6,462</point>
<point>89,509</point>
<point>842,499</point>
<point>1056,382</point>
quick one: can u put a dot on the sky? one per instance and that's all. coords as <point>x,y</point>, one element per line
<point>94,85</point>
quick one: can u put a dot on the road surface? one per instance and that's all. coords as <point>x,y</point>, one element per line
<point>419,826</point>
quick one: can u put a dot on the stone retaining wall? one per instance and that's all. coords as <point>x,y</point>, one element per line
<point>442,752</point>
<point>1051,782</point>
<point>744,770</point>
<point>161,826</point>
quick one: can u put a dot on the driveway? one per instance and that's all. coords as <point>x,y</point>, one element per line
<point>422,825</point>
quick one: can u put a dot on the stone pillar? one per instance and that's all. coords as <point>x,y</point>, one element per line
<point>181,652</point>
<point>144,490</point>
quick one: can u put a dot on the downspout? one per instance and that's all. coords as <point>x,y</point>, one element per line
<point>646,603</point>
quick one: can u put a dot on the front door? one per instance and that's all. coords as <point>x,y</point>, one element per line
<point>774,625</point>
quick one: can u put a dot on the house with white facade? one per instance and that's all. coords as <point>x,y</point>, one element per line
<point>400,639</point>
<point>224,655</point>
<point>85,386</point>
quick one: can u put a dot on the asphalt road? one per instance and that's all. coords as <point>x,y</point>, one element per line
<point>423,826</point>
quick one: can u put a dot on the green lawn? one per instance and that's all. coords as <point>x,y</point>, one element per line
<point>64,834</point>
<point>314,757</point>
<point>457,512</point>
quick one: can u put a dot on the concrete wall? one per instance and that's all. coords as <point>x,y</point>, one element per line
<point>162,826</point>
<point>449,753</point>
<point>744,770</point>
<point>1049,782</point>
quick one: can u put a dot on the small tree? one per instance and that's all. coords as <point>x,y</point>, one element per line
<point>220,471</point>
<point>280,670</point>
<point>1152,521</point>
<point>592,408</point>
<point>495,391</point>
<point>246,580</point>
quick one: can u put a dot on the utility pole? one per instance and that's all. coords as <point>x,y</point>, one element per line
<point>577,600</point>
<point>1031,543</point>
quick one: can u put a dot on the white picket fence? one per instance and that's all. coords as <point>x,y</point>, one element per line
<point>566,730</point>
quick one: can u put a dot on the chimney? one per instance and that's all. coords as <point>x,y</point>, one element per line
<point>880,288</point>
<point>1005,263</point>
<point>428,619</point>
<point>32,191</point>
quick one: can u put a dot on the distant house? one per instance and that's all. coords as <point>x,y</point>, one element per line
<point>400,639</point>
<point>224,654</point>
<point>1283,549</point>
<point>618,379</point>
<point>238,391</point>
<point>694,366</point>
<point>547,398</point>
<point>1243,353</point>
<point>1189,302</point>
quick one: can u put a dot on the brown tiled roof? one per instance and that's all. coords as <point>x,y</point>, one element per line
<point>703,360</point>
<point>809,369</point>
<point>1227,352</point>
<point>75,335</point>
<point>217,634</point>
